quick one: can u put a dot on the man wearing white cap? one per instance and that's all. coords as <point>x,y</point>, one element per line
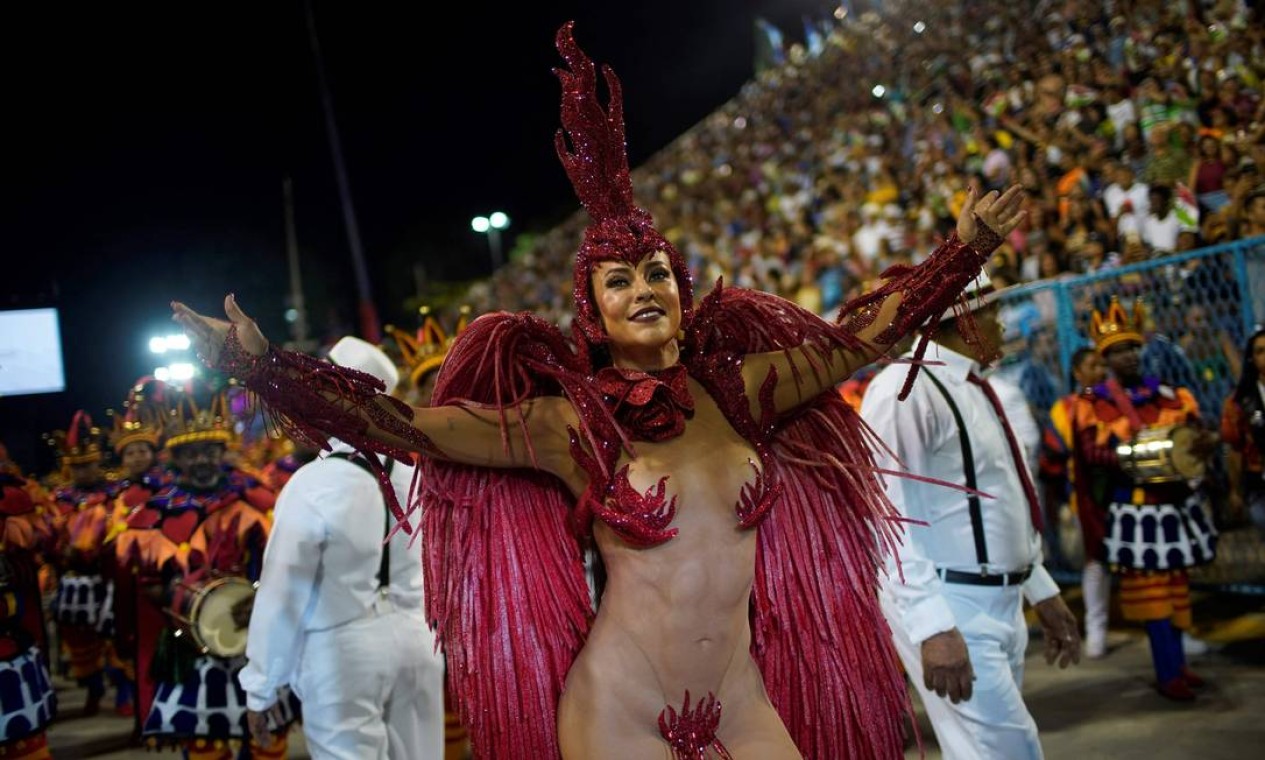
<point>339,614</point>
<point>955,603</point>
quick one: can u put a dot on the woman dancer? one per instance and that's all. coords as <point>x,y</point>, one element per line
<point>665,434</point>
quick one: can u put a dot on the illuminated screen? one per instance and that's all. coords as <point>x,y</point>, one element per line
<point>30,353</point>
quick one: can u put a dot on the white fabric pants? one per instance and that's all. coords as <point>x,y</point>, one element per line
<point>1096,586</point>
<point>994,724</point>
<point>373,688</point>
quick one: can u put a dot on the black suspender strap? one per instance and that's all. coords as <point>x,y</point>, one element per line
<point>968,467</point>
<point>384,566</point>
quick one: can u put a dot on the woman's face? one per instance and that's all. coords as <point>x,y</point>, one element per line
<point>640,306</point>
<point>138,458</point>
<point>1091,371</point>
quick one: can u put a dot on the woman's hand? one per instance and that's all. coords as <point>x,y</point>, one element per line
<point>1001,214</point>
<point>208,333</point>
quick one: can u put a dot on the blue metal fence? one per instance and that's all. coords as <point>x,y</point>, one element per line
<point>1202,306</point>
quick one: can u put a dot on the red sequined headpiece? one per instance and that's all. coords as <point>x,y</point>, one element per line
<point>597,164</point>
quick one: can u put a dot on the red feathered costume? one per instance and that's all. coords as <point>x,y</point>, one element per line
<point>505,579</point>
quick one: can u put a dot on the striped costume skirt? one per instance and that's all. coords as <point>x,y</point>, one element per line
<point>86,601</point>
<point>208,704</point>
<point>1159,537</point>
<point>27,700</point>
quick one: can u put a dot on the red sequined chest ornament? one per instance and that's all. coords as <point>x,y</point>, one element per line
<point>649,406</point>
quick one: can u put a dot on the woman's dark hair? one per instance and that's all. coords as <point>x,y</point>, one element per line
<point>1251,375</point>
<point>1077,359</point>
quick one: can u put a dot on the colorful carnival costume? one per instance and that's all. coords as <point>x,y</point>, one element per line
<point>182,538</point>
<point>1060,474</point>
<point>136,437</point>
<point>83,608</point>
<point>1152,532</point>
<point>27,700</point>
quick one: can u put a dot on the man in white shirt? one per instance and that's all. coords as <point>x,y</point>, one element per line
<point>955,602</point>
<point>339,615</point>
<point>1161,225</point>
<point>1125,195</point>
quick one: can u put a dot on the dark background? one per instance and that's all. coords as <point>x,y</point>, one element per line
<point>146,146</point>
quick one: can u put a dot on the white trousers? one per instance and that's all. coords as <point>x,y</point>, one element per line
<point>1096,586</point>
<point>373,688</point>
<point>994,723</point>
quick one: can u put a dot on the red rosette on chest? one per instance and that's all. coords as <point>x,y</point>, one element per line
<point>649,406</point>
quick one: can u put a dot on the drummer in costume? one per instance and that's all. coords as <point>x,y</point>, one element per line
<point>1059,477</point>
<point>135,438</point>
<point>27,701</point>
<point>1155,526</point>
<point>203,533</point>
<point>83,610</point>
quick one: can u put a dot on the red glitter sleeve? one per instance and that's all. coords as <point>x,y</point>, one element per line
<point>928,291</point>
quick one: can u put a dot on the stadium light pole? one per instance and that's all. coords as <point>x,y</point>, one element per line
<point>491,225</point>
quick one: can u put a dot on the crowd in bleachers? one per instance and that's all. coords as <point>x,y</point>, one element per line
<point>1136,128</point>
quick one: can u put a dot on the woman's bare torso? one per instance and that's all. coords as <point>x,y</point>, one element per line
<point>674,617</point>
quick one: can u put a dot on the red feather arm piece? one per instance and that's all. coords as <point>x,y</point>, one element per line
<point>821,641</point>
<point>928,290</point>
<point>311,400</point>
<point>505,585</point>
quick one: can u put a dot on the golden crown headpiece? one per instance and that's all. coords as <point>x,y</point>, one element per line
<point>424,352</point>
<point>1116,326</point>
<point>188,423</point>
<point>142,417</point>
<point>78,444</point>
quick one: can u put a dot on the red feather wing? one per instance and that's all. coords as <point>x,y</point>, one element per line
<point>505,583</point>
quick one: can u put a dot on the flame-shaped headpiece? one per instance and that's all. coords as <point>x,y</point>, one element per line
<point>597,164</point>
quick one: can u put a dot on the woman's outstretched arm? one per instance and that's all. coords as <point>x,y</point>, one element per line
<point>318,400</point>
<point>910,298</point>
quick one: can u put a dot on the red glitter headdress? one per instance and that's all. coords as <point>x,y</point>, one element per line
<point>597,164</point>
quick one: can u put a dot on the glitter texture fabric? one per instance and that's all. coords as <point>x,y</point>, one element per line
<point>651,406</point>
<point>692,732</point>
<point>928,291</point>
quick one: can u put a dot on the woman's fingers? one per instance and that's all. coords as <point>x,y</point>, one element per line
<point>968,205</point>
<point>234,312</point>
<point>1010,200</point>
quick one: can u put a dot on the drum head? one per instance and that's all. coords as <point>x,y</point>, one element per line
<point>1185,463</point>
<point>214,626</point>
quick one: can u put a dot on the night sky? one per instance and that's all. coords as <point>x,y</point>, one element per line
<point>147,145</point>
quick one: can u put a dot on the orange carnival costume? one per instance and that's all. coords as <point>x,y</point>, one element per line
<point>139,426</point>
<point>83,607</point>
<point>1151,532</point>
<point>179,541</point>
<point>27,700</point>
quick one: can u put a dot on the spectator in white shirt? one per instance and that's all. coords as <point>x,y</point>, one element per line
<point>1161,227</point>
<point>955,603</point>
<point>1125,194</point>
<point>339,614</point>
